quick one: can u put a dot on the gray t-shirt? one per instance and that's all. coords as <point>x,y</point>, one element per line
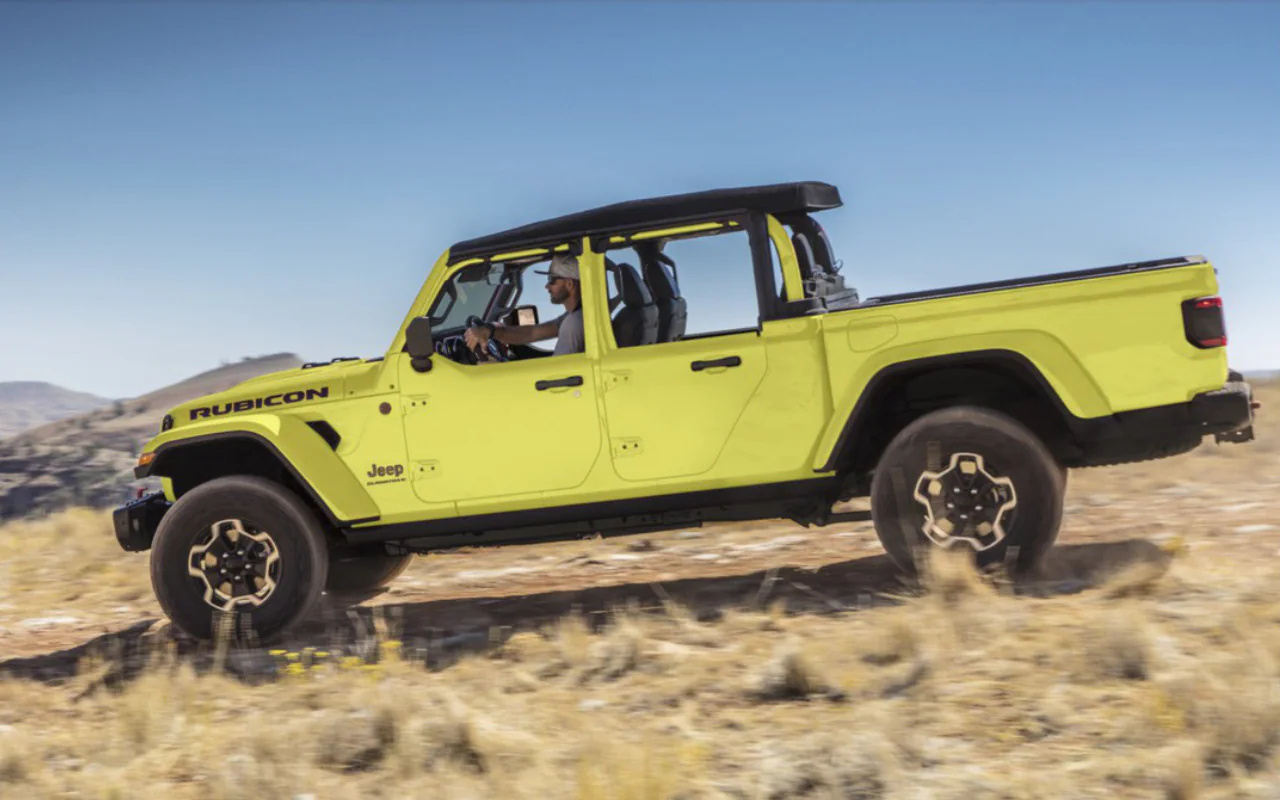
<point>572,339</point>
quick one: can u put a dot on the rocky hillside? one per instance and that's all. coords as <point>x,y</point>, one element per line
<point>88,459</point>
<point>28,404</point>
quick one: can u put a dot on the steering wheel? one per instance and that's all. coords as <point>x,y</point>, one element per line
<point>494,350</point>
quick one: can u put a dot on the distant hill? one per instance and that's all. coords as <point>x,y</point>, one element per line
<point>88,458</point>
<point>27,404</point>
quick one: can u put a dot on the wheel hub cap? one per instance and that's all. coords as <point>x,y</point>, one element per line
<point>236,564</point>
<point>965,502</point>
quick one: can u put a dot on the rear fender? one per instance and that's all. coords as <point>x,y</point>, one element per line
<point>1041,358</point>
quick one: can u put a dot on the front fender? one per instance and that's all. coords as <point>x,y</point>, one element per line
<point>290,440</point>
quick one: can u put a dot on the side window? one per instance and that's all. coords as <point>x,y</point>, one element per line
<point>533,292</point>
<point>701,285</point>
<point>717,281</point>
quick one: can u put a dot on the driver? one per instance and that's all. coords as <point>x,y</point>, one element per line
<point>565,289</point>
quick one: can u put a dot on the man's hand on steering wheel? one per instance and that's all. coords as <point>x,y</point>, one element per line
<point>481,342</point>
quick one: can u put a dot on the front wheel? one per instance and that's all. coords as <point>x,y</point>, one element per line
<point>241,549</point>
<point>969,478</point>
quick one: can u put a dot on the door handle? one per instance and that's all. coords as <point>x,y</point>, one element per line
<point>572,380</point>
<point>728,361</point>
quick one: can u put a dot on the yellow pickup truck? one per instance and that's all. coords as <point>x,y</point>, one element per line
<point>957,411</point>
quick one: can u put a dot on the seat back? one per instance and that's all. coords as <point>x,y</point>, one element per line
<point>672,310</point>
<point>636,322</point>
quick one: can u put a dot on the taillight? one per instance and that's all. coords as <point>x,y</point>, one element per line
<point>1203,322</point>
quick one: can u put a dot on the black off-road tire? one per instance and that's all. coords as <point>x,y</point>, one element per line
<point>262,506</point>
<point>941,444</point>
<point>363,571</point>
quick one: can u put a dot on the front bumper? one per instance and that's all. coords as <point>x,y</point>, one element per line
<point>137,520</point>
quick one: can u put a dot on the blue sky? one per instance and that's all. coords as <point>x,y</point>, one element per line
<point>189,183</point>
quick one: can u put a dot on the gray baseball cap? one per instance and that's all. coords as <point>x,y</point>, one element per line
<point>563,265</point>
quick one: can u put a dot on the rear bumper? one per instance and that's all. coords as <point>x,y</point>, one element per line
<point>1226,413</point>
<point>136,521</point>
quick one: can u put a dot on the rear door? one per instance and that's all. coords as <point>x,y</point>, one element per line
<point>671,407</point>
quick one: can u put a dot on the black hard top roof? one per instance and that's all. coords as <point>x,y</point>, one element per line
<point>779,198</point>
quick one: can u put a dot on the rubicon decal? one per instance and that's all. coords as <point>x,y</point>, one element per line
<point>285,398</point>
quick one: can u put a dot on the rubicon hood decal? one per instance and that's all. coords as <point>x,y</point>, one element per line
<point>281,399</point>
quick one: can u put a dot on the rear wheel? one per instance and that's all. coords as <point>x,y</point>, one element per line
<point>968,478</point>
<point>241,551</point>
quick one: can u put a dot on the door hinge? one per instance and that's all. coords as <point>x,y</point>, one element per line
<point>414,403</point>
<point>627,447</point>
<point>425,470</point>
<point>613,380</point>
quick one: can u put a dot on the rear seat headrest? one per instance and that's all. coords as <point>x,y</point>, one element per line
<point>634,292</point>
<point>661,282</point>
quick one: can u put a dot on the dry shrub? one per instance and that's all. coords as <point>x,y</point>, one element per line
<point>617,652</point>
<point>15,756</point>
<point>950,577</point>
<point>647,770</point>
<point>1183,767</point>
<point>572,639</point>
<point>860,766</point>
<point>526,647</point>
<point>1119,646</point>
<point>895,637</point>
<point>1236,714</point>
<point>789,675</point>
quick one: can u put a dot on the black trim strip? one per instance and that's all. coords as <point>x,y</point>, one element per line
<point>1037,280</point>
<point>510,521</point>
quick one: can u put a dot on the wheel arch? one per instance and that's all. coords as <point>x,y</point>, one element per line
<point>1001,380</point>
<point>288,452</point>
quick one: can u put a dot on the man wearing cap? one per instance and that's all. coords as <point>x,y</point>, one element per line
<point>565,289</point>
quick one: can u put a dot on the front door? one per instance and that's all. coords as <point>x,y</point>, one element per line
<point>495,436</point>
<point>499,430</point>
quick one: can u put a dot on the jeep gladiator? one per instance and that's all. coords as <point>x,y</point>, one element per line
<point>956,411</point>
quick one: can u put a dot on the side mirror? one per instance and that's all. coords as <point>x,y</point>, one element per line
<point>419,344</point>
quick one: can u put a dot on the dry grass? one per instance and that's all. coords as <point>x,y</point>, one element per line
<point>963,691</point>
<point>1164,682</point>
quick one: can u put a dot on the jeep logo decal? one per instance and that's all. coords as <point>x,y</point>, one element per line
<point>390,473</point>
<point>238,406</point>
